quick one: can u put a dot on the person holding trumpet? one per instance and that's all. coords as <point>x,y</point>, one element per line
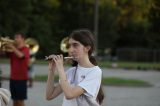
<point>19,60</point>
<point>81,84</point>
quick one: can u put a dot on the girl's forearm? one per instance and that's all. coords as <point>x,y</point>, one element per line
<point>65,85</point>
<point>50,85</point>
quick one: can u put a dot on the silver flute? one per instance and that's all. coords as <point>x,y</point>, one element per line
<point>50,57</point>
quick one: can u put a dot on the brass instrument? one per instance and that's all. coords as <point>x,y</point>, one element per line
<point>64,48</point>
<point>4,42</point>
<point>33,45</point>
<point>64,45</point>
<point>30,42</point>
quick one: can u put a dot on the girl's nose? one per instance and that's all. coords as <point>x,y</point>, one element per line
<point>70,49</point>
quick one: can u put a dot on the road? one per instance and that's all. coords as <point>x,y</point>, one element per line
<point>114,96</point>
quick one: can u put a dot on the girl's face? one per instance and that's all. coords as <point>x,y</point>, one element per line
<point>77,50</point>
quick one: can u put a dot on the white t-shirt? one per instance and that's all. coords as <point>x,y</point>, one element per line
<point>87,78</point>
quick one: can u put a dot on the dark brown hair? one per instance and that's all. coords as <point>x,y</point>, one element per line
<point>85,37</point>
<point>20,34</point>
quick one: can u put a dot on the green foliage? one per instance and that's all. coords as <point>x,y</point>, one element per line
<point>122,23</point>
<point>14,16</point>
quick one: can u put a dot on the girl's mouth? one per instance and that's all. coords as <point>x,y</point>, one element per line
<point>73,57</point>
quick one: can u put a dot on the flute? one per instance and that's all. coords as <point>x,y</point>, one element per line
<point>68,57</point>
<point>51,57</point>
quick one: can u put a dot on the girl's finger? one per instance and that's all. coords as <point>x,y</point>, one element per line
<point>61,56</point>
<point>52,59</point>
<point>55,60</point>
<point>58,56</point>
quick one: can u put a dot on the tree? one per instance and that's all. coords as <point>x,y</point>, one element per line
<point>14,16</point>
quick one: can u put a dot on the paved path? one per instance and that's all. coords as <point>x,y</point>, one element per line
<point>115,96</point>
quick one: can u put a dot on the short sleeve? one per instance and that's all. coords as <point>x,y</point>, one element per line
<point>91,83</point>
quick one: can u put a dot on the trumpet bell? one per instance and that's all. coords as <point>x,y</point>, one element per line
<point>33,45</point>
<point>0,43</point>
<point>64,45</point>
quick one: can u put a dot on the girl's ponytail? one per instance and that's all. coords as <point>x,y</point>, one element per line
<point>100,95</point>
<point>93,60</point>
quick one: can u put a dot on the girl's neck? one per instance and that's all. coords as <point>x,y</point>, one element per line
<point>85,62</point>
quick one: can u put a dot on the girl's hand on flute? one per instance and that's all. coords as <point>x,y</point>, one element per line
<point>51,65</point>
<point>58,59</point>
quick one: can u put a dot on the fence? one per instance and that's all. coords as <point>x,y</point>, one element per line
<point>138,54</point>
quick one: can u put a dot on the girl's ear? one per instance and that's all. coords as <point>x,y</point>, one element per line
<point>87,48</point>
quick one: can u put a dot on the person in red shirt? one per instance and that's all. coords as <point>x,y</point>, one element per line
<point>19,61</point>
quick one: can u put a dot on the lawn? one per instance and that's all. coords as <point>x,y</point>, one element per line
<point>110,81</point>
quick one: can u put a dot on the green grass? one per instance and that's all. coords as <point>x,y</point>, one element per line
<point>132,65</point>
<point>114,81</point>
<point>4,60</point>
<point>44,78</point>
<point>110,81</point>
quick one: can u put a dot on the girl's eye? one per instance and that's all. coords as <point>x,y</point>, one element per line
<point>75,45</point>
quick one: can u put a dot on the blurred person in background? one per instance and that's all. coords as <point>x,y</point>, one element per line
<point>19,61</point>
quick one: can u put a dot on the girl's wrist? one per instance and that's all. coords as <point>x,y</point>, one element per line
<point>51,71</point>
<point>62,75</point>
<point>62,79</point>
<point>61,70</point>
